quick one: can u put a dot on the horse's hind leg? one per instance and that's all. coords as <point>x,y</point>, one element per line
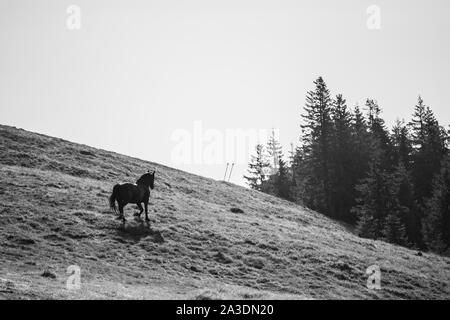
<point>138,214</point>
<point>121,206</point>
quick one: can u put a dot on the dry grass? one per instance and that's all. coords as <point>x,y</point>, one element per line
<point>54,213</point>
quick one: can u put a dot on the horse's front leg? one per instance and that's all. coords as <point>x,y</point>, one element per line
<point>146,210</point>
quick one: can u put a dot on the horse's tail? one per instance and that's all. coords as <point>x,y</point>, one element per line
<point>113,198</point>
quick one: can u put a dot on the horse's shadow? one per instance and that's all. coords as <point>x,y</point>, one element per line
<point>137,230</point>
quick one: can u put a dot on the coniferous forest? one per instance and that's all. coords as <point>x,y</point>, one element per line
<point>392,184</point>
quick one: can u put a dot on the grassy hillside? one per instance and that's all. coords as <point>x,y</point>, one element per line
<point>54,213</point>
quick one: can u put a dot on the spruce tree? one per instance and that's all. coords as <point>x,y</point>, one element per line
<point>428,149</point>
<point>394,228</point>
<point>257,169</point>
<point>342,161</point>
<point>402,144</point>
<point>409,211</point>
<point>418,124</point>
<point>316,148</point>
<point>299,175</point>
<point>367,208</point>
<point>362,145</point>
<point>436,220</point>
<point>379,211</point>
<point>274,151</point>
<point>380,136</point>
<point>380,214</point>
<point>282,181</point>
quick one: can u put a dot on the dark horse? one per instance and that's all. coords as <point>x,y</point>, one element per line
<point>133,193</point>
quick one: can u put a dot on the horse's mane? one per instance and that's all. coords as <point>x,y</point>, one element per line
<point>140,180</point>
<point>146,179</point>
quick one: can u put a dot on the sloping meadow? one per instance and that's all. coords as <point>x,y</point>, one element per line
<point>54,214</point>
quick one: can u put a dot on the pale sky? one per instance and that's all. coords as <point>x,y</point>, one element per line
<point>138,71</point>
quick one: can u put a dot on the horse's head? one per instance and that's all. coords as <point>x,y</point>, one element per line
<point>147,179</point>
